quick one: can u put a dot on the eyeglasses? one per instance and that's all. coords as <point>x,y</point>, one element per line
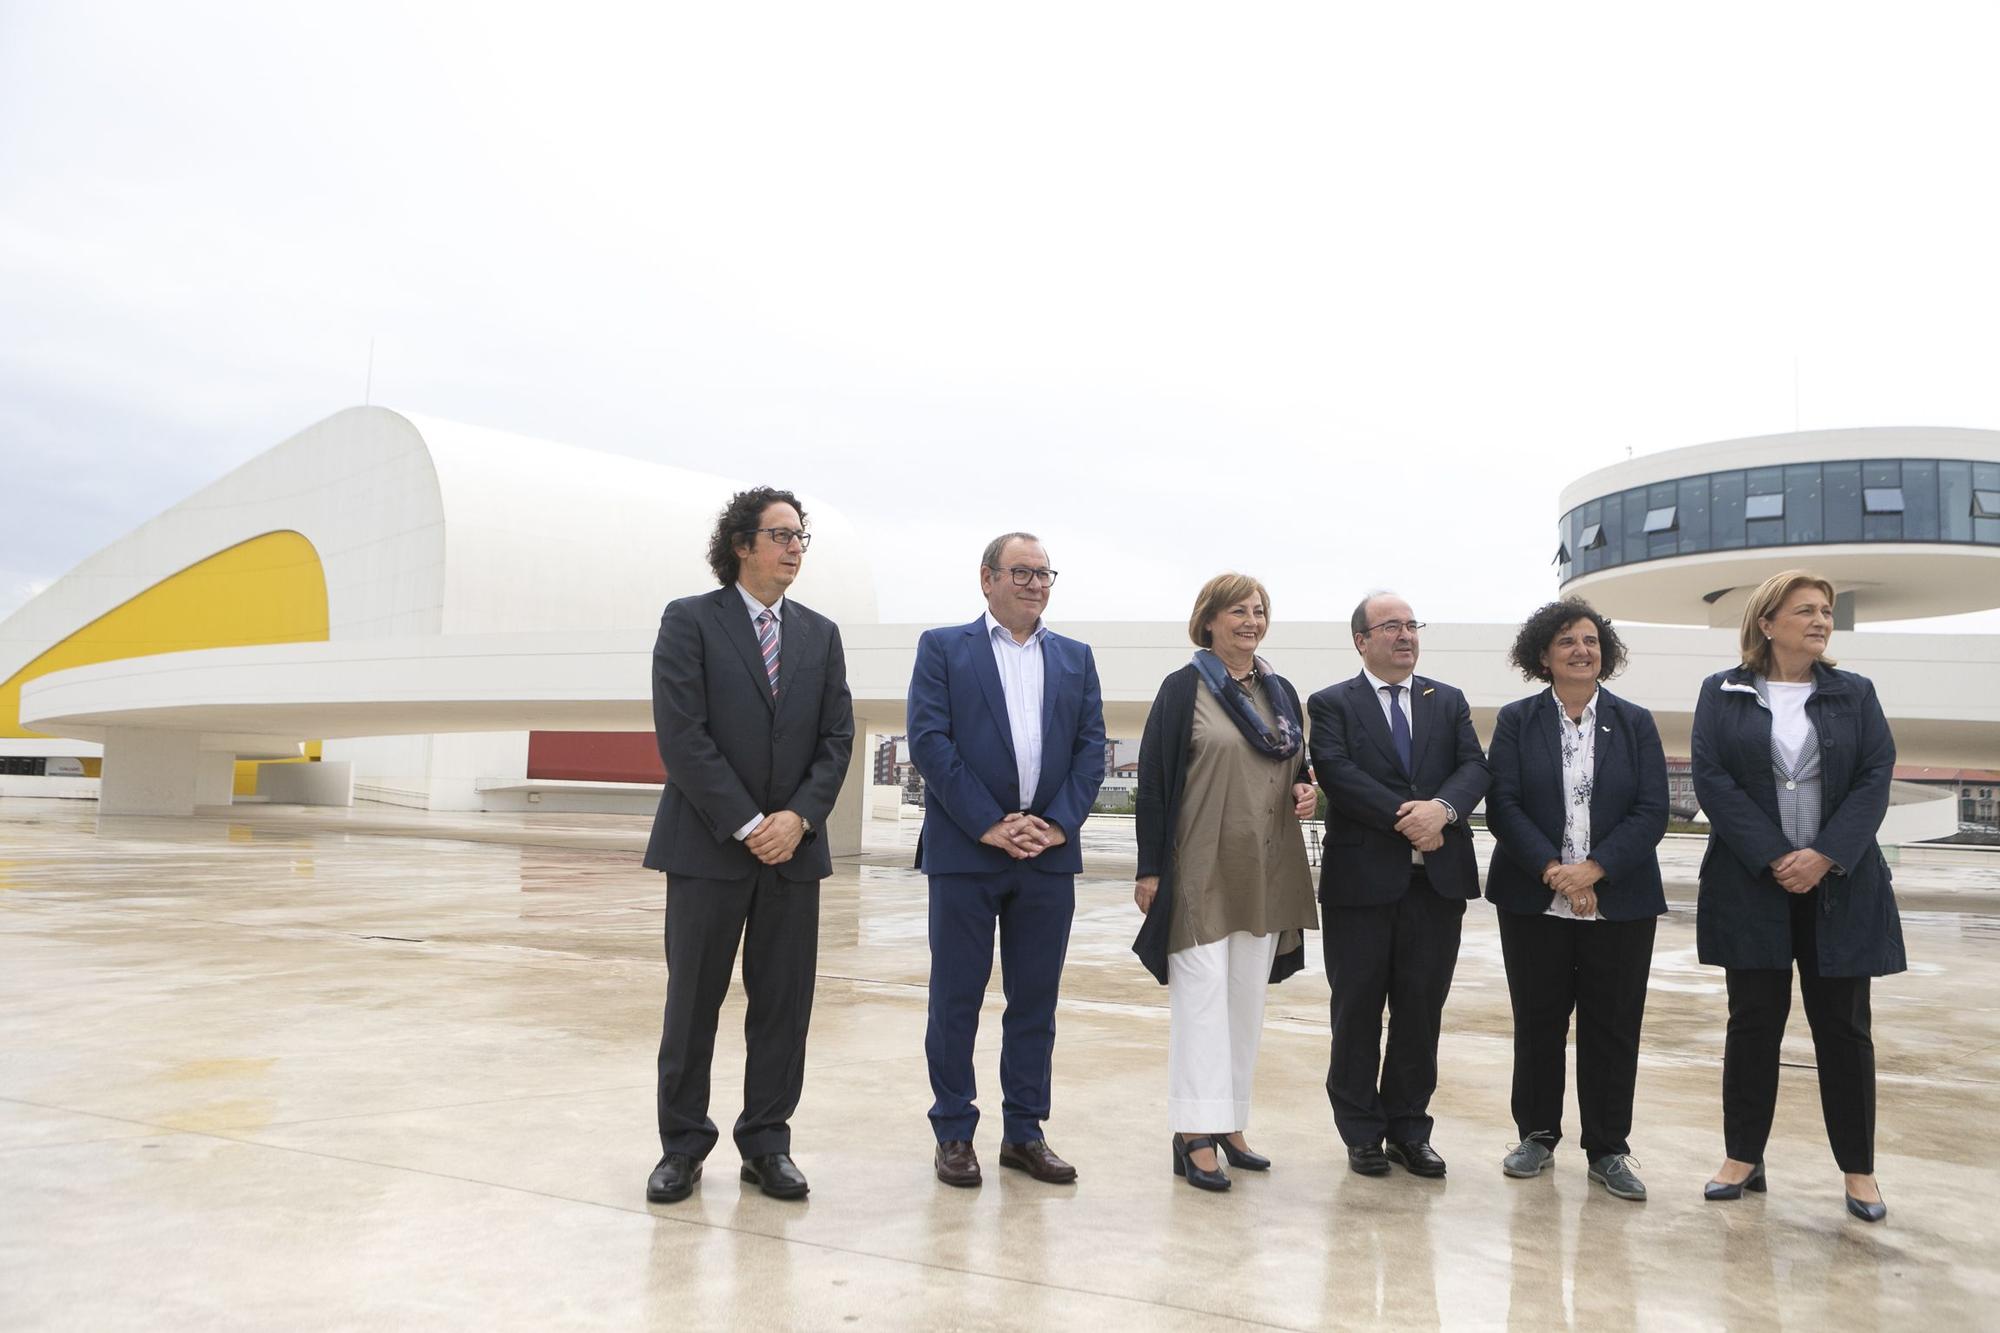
<point>1397,626</point>
<point>785,536</point>
<point>1023,576</point>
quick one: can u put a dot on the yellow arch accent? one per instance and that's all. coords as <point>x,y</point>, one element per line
<point>270,589</point>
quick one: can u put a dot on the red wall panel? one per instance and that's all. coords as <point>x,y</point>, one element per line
<point>594,756</point>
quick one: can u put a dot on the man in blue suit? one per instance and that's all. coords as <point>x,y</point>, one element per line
<point>1007,728</point>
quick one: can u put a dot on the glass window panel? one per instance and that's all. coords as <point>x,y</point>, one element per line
<point>1661,519</point>
<point>1986,504</point>
<point>1882,500</point>
<point>1955,502</point>
<point>1803,517</point>
<point>1986,477</point>
<point>1588,543</point>
<point>1843,502</point>
<point>1881,472</point>
<point>1692,500</point>
<point>1765,481</point>
<point>1920,501</point>
<point>1725,515</point>
<point>1593,536</point>
<point>1764,506</point>
<point>1882,528</point>
<point>1634,528</point>
<point>1612,552</point>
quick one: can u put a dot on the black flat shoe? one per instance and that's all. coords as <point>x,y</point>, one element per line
<point>673,1179</point>
<point>1419,1159</point>
<point>1366,1159</point>
<point>776,1175</point>
<point>1243,1157</point>
<point>1200,1179</point>
<point>1867,1212</point>
<point>1717,1192</point>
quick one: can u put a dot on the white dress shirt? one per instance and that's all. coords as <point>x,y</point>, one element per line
<point>1020,666</point>
<point>1579,757</point>
<point>777,610</point>
<point>1398,697</point>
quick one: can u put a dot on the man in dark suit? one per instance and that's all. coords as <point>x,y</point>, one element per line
<point>1007,727</point>
<point>1396,755</point>
<point>755,728</point>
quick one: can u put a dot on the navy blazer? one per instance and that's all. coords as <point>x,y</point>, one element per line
<point>961,743</point>
<point>1363,860</point>
<point>731,750</point>
<point>1628,806</point>
<point>1743,919</point>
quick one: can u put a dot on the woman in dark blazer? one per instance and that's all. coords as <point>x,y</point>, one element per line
<point>1223,878</point>
<point>1792,765</point>
<point>1577,810</point>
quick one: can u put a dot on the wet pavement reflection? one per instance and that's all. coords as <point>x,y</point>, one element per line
<point>378,1067</point>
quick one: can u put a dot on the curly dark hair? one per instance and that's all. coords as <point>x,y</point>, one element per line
<point>738,521</point>
<point>1541,628</point>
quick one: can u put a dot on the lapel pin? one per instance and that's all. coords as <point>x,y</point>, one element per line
<point>1431,690</point>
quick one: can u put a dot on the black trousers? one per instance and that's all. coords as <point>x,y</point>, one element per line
<point>1760,1001</point>
<point>1599,970</point>
<point>1402,953</point>
<point>777,921</point>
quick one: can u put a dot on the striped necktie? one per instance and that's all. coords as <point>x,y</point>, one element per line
<point>767,644</point>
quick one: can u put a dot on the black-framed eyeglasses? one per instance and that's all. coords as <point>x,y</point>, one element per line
<point>1023,576</point>
<point>1397,626</point>
<point>785,536</point>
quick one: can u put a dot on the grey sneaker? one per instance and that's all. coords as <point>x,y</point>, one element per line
<point>1530,1157</point>
<point>1614,1172</point>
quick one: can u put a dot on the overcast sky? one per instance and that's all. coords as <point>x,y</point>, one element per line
<point>1340,295</point>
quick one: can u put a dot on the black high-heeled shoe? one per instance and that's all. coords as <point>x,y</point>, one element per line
<point>1717,1192</point>
<point>1243,1157</point>
<point>1868,1212</point>
<point>1200,1179</point>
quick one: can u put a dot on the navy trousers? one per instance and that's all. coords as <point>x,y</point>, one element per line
<point>1033,911</point>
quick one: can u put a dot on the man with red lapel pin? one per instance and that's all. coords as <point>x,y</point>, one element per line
<point>1401,767</point>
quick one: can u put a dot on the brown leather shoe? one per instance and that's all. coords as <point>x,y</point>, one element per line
<point>1036,1159</point>
<point>957,1164</point>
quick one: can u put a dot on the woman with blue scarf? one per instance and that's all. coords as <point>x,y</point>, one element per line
<point>1223,879</point>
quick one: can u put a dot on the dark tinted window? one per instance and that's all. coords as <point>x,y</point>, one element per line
<point>1920,501</point>
<point>1725,519</point>
<point>1804,521</point>
<point>1843,501</point>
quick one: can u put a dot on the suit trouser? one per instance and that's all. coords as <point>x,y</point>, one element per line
<point>1598,969</point>
<point>1760,1001</point>
<point>778,922</point>
<point>1216,994</point>
<point>1033,912</point>
<point>1403,953</point>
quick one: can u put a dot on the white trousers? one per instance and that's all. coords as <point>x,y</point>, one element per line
<point>1216,993</point>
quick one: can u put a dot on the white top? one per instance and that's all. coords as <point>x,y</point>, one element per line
<point>777,610</point>
<point>1020,667</point>
<point>1579,756</point>
<point>1791,730</point>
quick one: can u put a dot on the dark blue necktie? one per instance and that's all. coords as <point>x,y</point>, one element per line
<point>1399,726</point>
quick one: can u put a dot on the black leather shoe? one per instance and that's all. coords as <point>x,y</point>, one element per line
<point>1867,1212</point>
<point>1366,1159</point>
<point>1242,1157</point>
<point>673,1179</point>
<point>957,1164</point>
<point>1717,1192</point>
<point>774,1173</point>
<point>1039,1161</point>
<point>1419,1159</point>
<point>1195,1176</point>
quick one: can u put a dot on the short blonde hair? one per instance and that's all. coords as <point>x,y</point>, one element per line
<point>1218,595</point>
<point>1767,601</point>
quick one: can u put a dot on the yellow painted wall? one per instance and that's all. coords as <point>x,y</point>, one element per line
<point>270,589</point>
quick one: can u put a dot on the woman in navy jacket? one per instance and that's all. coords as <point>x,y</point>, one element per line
<point>1792,764</point>
<point>1577,810</point>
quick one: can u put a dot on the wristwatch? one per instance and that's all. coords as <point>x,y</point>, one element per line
<point>806,824</point>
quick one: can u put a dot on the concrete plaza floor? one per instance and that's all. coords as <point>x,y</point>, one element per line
<point>277,1069</point>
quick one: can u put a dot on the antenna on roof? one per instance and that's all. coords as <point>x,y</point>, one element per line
<point>368,389</point>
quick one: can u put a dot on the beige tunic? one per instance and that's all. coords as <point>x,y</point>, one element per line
<point>1239,854</point>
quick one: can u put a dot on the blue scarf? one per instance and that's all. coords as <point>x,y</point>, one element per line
<point>1281,744</point>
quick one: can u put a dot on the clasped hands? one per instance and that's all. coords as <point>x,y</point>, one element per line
<point>1422,822</point>
<point>1800,871</point>
<point>1022,836</point>
<point>1578,883</point>
<point>775,839</point>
